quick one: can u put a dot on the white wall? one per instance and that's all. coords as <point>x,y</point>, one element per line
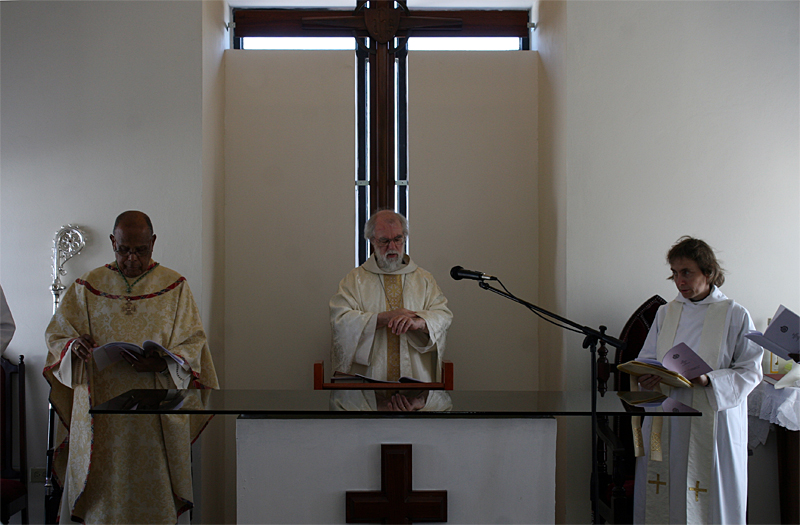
<point>213,492</point>
<point>100,112</point>
<point>671,118</point>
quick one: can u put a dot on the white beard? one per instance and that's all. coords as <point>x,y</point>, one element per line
<point>389,265</point>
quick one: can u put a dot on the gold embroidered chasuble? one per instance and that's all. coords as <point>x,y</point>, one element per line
<point>118,468</point>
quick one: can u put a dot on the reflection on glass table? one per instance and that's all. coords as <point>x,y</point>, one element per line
<point>357,403</point>
<point>391,400</point>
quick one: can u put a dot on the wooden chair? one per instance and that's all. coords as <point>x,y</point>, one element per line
<point>14,487</point>
<point>615,436</point>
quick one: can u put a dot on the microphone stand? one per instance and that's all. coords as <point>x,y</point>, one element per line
<point>591,337</point>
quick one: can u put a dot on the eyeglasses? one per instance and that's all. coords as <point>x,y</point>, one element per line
<point>137,252</point>
<point>383,243</point>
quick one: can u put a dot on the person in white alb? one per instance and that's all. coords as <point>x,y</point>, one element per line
<point>695,469</point>
<point>389,318</point>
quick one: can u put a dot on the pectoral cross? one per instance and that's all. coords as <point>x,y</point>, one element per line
<point>697,490</point>
<point>129,308</point>
<point>657,482</point>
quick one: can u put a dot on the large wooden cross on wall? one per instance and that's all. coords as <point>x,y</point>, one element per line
<point>381,22</point>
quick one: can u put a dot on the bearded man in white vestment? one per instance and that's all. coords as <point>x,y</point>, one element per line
<point>701,474</point>
<point>126,468</point>
<point>389,319</point>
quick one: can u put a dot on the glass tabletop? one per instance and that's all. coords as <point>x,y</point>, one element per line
<point>328,403</point>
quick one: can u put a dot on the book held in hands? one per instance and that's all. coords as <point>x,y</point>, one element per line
<point>110,353</point>
<point>681,365</point>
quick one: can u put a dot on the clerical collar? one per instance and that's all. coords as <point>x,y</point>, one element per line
<point>714,296</point>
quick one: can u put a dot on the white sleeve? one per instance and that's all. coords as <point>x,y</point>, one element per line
<point>7,326</point>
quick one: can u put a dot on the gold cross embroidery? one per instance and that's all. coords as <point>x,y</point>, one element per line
<point>697,490</point>
<point>657,482</point>
<point>129,308</point>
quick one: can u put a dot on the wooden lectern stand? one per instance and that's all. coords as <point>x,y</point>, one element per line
<point>446,384</point>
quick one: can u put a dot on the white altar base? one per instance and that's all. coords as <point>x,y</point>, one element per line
<point>495,470</point>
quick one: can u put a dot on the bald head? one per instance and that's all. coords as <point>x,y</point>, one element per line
<point>133,218</point>
<point>133,240</point>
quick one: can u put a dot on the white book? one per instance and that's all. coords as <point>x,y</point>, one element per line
<point>782,336</point>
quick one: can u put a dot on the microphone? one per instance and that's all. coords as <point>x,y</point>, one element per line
<point>458,273</point>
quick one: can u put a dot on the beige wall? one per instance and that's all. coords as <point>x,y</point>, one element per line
<point>473,203</point>
<point>289,210</point>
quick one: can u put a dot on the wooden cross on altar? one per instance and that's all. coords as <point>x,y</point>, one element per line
<point>396,502</point>
<point>382,21</point>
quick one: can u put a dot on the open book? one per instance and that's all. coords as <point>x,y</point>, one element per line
<point>782,336</point>
<point>681,365</point>
<point>110,353</point>
<point>341,377</point>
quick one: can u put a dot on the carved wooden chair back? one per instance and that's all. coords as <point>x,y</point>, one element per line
<point>14,489</point>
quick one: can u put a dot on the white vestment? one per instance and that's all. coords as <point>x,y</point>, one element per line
<point>357,347</point>
<point>733,377</point>
<point>7,326</point>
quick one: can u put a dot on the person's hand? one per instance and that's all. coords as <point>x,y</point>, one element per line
<point>649,381</point>
<point>401,403</point>
<point>146,363</point>
<point>401,321</point>
<point>83,347</point>
<point>701,380</point>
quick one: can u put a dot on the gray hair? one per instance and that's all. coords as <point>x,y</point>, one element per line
<point>369,227</point>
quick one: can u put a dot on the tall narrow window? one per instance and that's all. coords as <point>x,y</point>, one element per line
<point>382,178</point>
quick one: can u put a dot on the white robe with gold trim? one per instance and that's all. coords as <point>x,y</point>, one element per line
<point>736,374</point>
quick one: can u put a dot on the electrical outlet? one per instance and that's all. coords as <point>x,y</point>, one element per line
<point>37,475</point>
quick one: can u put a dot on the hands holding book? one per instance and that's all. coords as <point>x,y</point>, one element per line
<point>650,381</point>
<point>682,367</point>
<point>149,362</point>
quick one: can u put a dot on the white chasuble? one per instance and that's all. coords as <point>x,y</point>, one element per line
<point>357,347</point>
<point>702,477</point>
<point>119,468</point>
